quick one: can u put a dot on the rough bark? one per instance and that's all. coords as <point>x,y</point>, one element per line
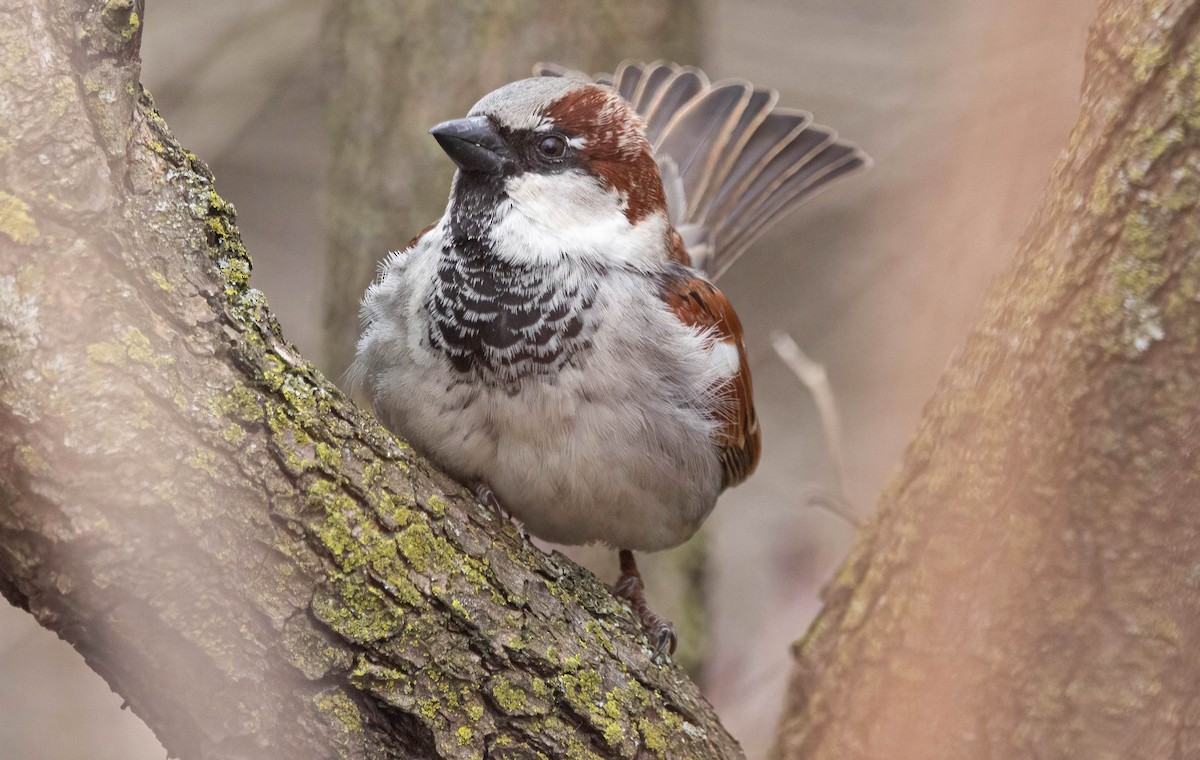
<point>398,67</point>
<point>256,566</point>
<point>1029,587</point>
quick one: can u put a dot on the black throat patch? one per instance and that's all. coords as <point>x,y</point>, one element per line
<point>500,321</point>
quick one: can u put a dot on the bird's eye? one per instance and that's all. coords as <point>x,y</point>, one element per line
<point>552,146</point>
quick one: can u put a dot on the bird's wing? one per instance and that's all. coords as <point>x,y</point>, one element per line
<point>732,162</point>
<point>700,305</point>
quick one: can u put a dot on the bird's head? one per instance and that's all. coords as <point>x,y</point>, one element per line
<point>551,167</point>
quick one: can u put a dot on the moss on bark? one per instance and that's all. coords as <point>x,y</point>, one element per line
<point>252,562</point>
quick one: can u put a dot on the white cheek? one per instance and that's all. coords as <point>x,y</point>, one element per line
<point>569,200</point>
<point>552,215</point>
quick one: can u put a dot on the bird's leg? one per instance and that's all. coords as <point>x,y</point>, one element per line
<point>487,497</point>
<point>630,587</point>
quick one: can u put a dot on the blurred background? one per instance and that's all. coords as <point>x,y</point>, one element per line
<point>301,106</point>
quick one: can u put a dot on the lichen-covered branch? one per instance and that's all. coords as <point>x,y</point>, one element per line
<point>256,566</point>
<point>1030,585</point>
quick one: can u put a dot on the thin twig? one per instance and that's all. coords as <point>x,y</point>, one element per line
<point>816,381</point>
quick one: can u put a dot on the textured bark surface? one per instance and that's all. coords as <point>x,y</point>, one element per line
<point>257,567</point>
<point>398,67</point>
<point>1030,585</point>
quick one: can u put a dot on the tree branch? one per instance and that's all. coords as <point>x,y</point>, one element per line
<point>252,562</point>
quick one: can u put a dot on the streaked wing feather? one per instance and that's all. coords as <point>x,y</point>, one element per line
<point>772,136</point>
<point>755,112</point>
<point>653,78</point>
<point>682,88</point>
<point>789,157</point>
<point>626,77</point>
<point>844,160</point>
<point>814,173</point>
<point>694,138</point>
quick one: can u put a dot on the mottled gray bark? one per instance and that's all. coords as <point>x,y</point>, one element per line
<point>1030,586</point>
<point>257,567</point>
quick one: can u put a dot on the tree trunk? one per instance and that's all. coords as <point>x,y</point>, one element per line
<point>256,566</point>
<point>1029,587</point>
<point>399,67</point>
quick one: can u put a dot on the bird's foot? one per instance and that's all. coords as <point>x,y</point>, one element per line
<point>630,588</point>
<point>487,497</point>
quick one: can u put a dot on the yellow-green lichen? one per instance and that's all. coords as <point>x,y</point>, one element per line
<point>233,433</point>
<point>1146,59</point>
<point>204,461</point>
<point>161,281</point>
<point>329,457</point>
<point>239,403</point>
<point>34,462</point>
<point>465,736</point>
<point>133,345</point>
<point>509,696</point>
<point>355,543</point>
<point>416,543</point>
<point>138,348</point>
<point>431,554</point>
<point>612,707</point>
<point>429,707</point>
<point>106,352</point>
<point>436,505</point>
<point>233,262</point>
<point>651,737</point>
<point>460,610</point>
<point>339,706</point>
<point>614,734</point>
<point>357,610</point>
<point>15,221</point>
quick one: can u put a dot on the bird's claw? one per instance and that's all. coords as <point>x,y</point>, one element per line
<point>663,633</point>
<point>487,497</point>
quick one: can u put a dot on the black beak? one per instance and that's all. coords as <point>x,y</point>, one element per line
<point>474,145</point>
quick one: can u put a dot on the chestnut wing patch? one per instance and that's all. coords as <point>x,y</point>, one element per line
<point>698,303</point>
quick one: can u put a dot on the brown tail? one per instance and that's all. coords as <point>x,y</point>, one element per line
<point>732,163</point>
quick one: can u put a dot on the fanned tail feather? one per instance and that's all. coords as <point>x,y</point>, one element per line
<point>732,162</point>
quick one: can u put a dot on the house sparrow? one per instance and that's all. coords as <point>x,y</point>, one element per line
<point>555,339</point>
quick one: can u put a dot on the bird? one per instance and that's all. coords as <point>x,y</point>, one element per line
<point>555,339</point>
